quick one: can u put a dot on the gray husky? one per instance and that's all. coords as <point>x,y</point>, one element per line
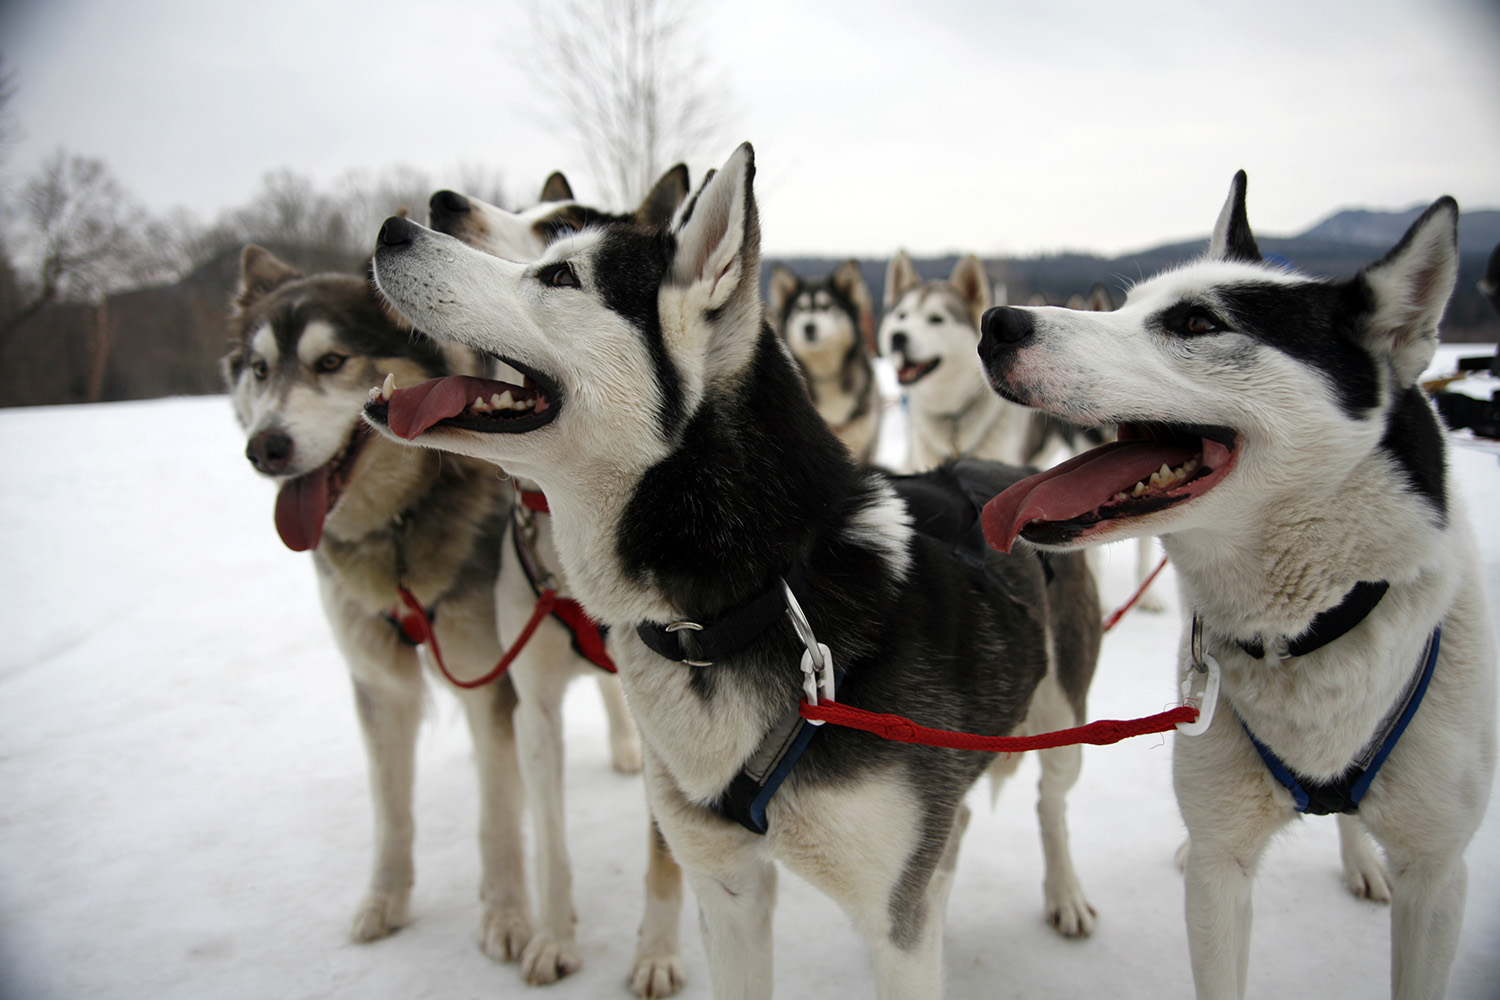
<point>704,511</point>
<point>1272,433</point>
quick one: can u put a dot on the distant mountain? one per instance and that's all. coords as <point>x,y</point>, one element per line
<point>1478,231</point>
<point>1337,247</point>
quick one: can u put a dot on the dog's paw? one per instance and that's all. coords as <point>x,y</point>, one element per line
<point>1366,878</point>
<point>625,754</point>
<point>547,959</point>
<point>655,976</point>
<point>1149,601</point>
<point>503,934</point>
<point>1071,915</point>
<point>380,915</point>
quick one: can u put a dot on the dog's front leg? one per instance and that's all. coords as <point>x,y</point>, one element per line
<point>1427,912</point>
<point>734,879</point>
<point>542,672</point>
<point>1231,810</point>
<point>505,926</point>
<point>658,968</point>
<point>389,704</point>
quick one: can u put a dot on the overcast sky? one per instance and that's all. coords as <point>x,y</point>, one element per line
<point>935,125</point>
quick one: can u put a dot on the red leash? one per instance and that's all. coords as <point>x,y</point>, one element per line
<point>1140,592</point>
<point>902,730</point>
<point>419,630</point>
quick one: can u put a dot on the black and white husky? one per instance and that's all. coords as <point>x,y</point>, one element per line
<point>1273,435</point>
<point>696,496</point>
<point>548,663</point>
<point>829,323</point>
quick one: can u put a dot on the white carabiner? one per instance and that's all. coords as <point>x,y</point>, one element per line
<point>817,677</point>
<point>1204,703</point>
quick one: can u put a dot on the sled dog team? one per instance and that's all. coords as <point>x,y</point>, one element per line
<point>689,513</point>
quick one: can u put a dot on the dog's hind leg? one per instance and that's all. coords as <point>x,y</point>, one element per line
<point>389,704</point>
<point>1068,910</point>
<point>658,968</point>
<point>624,738</point>
<point>736,897</point>
<point>1364,873</point>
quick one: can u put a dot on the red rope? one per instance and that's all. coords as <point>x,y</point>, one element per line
<point>421,631</point>
<point>902,730</point>
<point>1140,592</point>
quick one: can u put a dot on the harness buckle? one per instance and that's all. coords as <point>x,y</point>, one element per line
<point>691,627</point>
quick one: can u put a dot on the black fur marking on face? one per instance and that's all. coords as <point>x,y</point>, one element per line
<point>1317,324</point>
<point>1415,442</point>
<point>630,266</point>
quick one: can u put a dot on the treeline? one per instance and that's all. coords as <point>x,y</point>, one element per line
<point>101,300</point>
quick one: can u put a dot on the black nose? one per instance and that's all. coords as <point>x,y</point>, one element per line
<point>444,206</point>
<point>1007,325</point>
<point>898,343</point>
<point>270,452</point>
<point>396,231</point>
<point>810,331</point>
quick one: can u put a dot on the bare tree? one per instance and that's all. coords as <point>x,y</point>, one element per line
<point>79,236</point>
<point>625,85</point>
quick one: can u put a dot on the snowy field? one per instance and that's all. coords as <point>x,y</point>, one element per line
<point>183,809</point>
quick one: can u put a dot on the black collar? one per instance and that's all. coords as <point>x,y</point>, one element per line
<point>702,644</point>
<point>1331,624</point>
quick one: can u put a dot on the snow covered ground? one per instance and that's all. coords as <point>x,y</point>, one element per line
<point>183,810</point>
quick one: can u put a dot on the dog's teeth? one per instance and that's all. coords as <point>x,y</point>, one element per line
<point>479,405</point>
<point>374,393</point>
<point>1140,488</point>
<point>505,401</point>
<point>388,386</point>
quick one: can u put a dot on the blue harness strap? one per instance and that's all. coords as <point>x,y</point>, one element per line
<point>1343,794</point>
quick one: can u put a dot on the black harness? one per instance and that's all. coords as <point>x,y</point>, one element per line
<point>938,512</point>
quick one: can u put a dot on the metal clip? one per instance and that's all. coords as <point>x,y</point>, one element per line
<point>693,627</point>
<point>1207,700</point>
<point>817,659</point>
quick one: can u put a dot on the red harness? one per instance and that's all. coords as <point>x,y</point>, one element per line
<point>415,622</point>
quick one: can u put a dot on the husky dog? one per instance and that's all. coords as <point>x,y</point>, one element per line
<point>929,331</point>
<point>829,323</point>
<point>1272,434</point>
<point>697,498</point>
<point>554,656</point>
<point>375,517</point>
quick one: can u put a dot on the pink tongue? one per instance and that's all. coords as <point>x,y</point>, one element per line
<point>414,410</point>
<point>1076,487</point>
<point>301,507</point>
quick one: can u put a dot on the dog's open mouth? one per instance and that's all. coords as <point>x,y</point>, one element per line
<point>911,372</point>
<point>1150,468</point>
<point>303,504</point>
<point>465,402</point>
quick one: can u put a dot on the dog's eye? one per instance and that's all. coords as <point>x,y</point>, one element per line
<point>935,319</point>
<point>1193,321</point>
<point>559,276</point>
<point>330,363</point>
<point>260,369</point>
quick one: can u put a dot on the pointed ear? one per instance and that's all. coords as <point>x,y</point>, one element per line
<point>973,285</point>
<point>1232,239</point>
<point>1410,287</point>
<point>718,234</point>
<point>783,286</point>
<point>1099,299</point>
<point>261,272</point>
<point>850,279</point>
<point>900,278</point>
<point>662,201</point>
<point>556,188</point>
